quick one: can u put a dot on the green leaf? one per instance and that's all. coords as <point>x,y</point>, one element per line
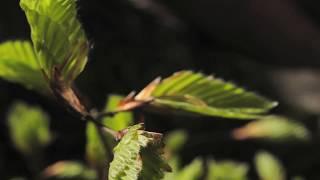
<point>268,167</point>
<point>122,119</point>
<point>175,140</point>
<point>58,38</point>
<point>226,170</point>
<point>69,170</point>
<point>132,155</point>
<point>29,128</point>
<point>18,64</point>
<point>96,153</point>
<point>196,93</point>
<point>193,171</point>
<point>273,128</point>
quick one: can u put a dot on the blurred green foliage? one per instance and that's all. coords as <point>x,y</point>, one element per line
<point>274,128</point>
<point>227,170</point>
<point>120,120</point>
<point>29,128</point>
<point>69,170</point>
<point>269,167</point>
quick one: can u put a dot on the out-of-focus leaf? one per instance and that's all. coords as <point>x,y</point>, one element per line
<point>195,93</point>
<point>18,178</point>
<point>95,148</point>
<point>275,128</point>
<point>58,38</point>
<point>18,64</point>
<point>69,170</point>
<point>122,119</point>
<point>174,163</point>
<point>29,128</point>
<point>175,140</point>
<point>193,171</point>
<point>227,170</point>
<point>96,153</point>
<point>269,167</point>
<point>136,148</point>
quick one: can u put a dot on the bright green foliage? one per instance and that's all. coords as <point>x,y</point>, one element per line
<point>130,155</point>
<point>58,37</point>
<point>122,119</point>
<point>29,128</point>
<point>268,167</point>
<point>227,170</point>
<point>196,93</point>
<point>274,128</point>
<point>175,140</point>
<point>69,170</point>
<point>18,64</point>
<point>96,153</point>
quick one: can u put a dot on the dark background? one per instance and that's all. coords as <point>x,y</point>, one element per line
<point>269,46</point>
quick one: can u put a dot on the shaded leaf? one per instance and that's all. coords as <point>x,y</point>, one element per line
<point>192,171</point>
<point>69,170</point>
<point>18,64</point>
<point>122,119</point>
<point>29,128</point>
<point>175,140</point>
<point>275,128</point>
<point>57,36</point>
<point>269,167</point>
<point>226,170</point>
<point>136,148</point>
<point>96,153</point>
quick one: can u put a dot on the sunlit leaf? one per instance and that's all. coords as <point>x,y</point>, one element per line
<point>275,128</point>
<point>196,93</point>
<point>227,170</point>
<point>18,64</point>
<point>59,40</point>
<point>69,170</point>
<point>136,150</point>
<point>269,167</point>
<point>29,128</point>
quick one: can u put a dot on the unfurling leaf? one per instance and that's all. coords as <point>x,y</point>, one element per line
<point>268,167</point>
<point>195,93</point>
<point>58,38</point>
<point>18,64</point>
<point>69,170</point>
<point>138,155</point>
<point>226,170</point>
<point>29,128</point>
<point>274,128</point>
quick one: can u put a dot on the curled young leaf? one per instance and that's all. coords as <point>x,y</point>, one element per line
<point>138,155</point>
<point>58,38</point>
